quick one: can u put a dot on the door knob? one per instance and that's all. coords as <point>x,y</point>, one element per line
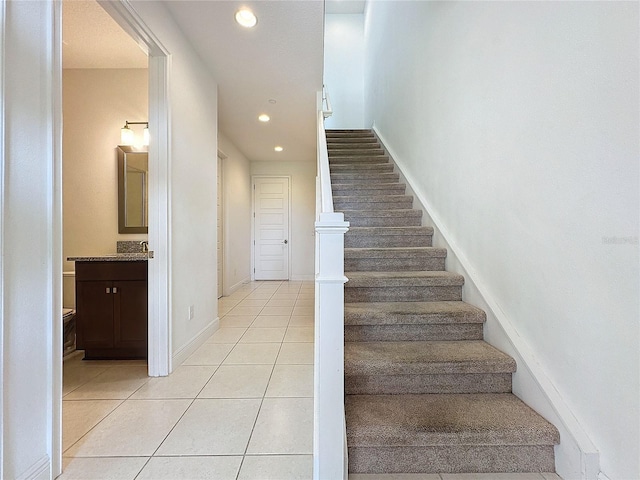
<point>285,242</point>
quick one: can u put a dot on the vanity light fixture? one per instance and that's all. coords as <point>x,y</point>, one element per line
<point>278,148</point>
<point>127,137</point>
<point>264,117</point>
<point>246,18</point>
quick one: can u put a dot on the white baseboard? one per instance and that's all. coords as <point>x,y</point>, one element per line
<point>576,456</point>
<point>192,345</point>
<point>302,278</point>
<point>235,287</point>
<point>41,470</point>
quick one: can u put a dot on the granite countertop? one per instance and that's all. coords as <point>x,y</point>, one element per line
<point>112,257</point>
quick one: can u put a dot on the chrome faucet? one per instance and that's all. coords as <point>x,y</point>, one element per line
<point>145,246</point>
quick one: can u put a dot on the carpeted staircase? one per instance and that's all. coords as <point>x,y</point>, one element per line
<point>424,392</point>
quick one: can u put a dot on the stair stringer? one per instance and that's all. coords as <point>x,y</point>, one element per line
<point>576,455</point>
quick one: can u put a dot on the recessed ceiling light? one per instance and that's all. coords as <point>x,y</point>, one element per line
<point>278,148</point>
<point>272,101</point>
<point>264,117</point>
<point>246,18</point>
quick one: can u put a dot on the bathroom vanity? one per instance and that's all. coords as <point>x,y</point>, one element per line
<point>111,306</point>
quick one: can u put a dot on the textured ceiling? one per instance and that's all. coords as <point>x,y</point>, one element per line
<point>91,39</point>
<point>280,59</point>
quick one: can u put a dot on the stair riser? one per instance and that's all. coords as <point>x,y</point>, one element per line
<point>349,132</point>
<point>383,221</point>
<point>402,294</point>
<point>359,160</point>
<point>358,168</point>
<point>366,178</point>
<point>392,264</point>
<point>352,146</point>
<point>419,384</point>
<point>365,152</point>
<point>367,190</point>
<point>346,205</point>
<point>452,459</point>
<point>382,241</point>
<point>412,333</point>
<point>363,139</point>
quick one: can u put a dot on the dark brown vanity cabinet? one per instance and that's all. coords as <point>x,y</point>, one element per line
<point>111,309</point>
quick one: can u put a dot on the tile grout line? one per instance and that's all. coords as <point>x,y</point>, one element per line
<point>259,409</point>
<point>181,416</point>
<point>184,413</point>
<point>129,398</point>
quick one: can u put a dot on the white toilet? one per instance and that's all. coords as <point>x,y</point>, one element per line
<point>68,314</point>
<point>69,331</point>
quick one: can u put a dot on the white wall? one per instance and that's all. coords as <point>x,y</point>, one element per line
<point>236,177</point>
<point>29,251</point>
<point>344,69</point>
<point>519,124</point>
<point>96,103</point>
<point>194,153</point>
<point>303,205</point>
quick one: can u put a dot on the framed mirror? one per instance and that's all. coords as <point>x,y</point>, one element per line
<point>132,190</point>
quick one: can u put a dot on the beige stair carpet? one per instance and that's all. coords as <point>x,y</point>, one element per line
<point>424,392</point>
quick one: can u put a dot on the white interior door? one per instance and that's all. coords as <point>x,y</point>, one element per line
<point>220,229</point>
<point>271,228</point>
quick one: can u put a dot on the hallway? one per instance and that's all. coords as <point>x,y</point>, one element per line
<point>240,407</point>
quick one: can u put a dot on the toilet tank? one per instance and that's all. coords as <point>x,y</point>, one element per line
<point>69,289</point>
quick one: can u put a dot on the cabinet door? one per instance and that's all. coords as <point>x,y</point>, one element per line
<point>94,319</point>
<point>130,314</point>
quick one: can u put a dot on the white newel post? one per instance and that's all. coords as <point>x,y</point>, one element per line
<point>329,429</point>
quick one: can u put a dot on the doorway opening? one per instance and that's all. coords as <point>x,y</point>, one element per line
<point>159,320</point>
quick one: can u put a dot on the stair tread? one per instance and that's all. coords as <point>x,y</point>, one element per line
<point>367,174</point>
<point>354,152</point>
<point>376,198</point>
<point>364,186</point>
<point>348,145</point>
<point>402,279</point>
<point>394,252</point>
<point>399,212</point>
<point>444,419</point>
<point>411,313</point>
<point>425,358</point>
<point>390,231</point>
<point>348,160</point>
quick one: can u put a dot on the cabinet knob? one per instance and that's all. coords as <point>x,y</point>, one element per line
<point>107,290</point>
<point>115,289</point>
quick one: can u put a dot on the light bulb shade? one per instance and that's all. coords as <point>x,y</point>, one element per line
<point>126,136</point>
<point>246,18</point>
<point>145,137</point>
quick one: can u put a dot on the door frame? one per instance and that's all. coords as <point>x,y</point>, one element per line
<point>253,222</point>
<point>124,14</point>
<point>159,281</point>
<point>221,221</point>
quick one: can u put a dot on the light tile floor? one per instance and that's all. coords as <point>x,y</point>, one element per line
<point>240,407</point>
